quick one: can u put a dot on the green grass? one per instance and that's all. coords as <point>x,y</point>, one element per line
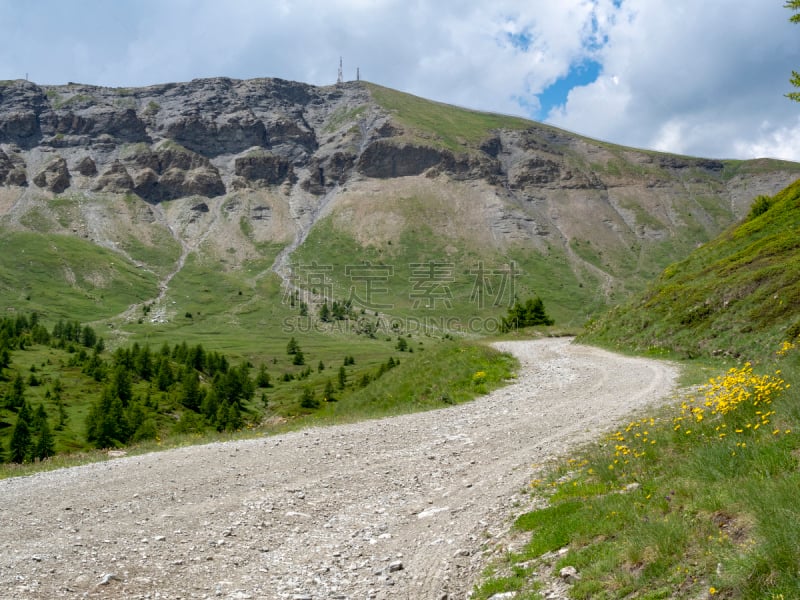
<point>343,116</point>
<point>670,506</point>
<point>457,129</point>
<point>37,220</point>
<point>450,378</point>
<point>160,254</point>
<point>465,268</point>
<point>756,167</point>
<point>65,276</point>
<point>738,294</point>
<point>690,502</point>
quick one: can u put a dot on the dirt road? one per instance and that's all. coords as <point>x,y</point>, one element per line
<point>393,508</point>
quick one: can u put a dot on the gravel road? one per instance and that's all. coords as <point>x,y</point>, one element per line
<point>402,507</point>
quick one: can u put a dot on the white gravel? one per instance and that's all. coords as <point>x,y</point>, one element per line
<point>393,508</point>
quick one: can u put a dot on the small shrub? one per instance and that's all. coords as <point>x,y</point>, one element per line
<point>760,205</point>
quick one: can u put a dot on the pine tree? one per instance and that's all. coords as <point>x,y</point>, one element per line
<point>190,395</point>
<point>328,393</point>
<point>342,378</point>
<point>88,337</point>
<point>144,363</point>
<point>221,417</point>
<point>15,397</point>
<point>794,6</point>
<point>135,414</point>
<point>308,400</point>
<point>95,366</point>
<point>324,313</point>
<point>164,375</point>
<point>299,358</point>
<point>197,358</point>
<point>235,421</point>
<point>210,404</point>
<point>146,431</point>
<point>106,424</point>
<point>292,347</point>
<point>59,402</point>
<point>121,386</point>
<point>525,315</point>
<point>45,446</point>
<point>5,357</point>
<point>38,420</point>
<point>21,445</point>
<point>263,378</point>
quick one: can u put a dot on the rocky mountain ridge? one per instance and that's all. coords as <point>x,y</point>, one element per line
<point>280,155</point>
<point>211,136</point>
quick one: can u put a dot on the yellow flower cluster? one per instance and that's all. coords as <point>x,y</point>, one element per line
<point>632,441</point>
<point>725,395</point>
<point>718,412</point>
<point>479,377</point>
<point>785,348</point>
<point>737,404</point>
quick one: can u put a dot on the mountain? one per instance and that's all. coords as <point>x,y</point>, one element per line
<point>151,204</point>
<point>738,295</point>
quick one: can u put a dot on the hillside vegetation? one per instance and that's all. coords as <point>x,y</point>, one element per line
<point>737,295</point>
<point>698,500</point>
<point>62,391</point>
<point>455,128</point>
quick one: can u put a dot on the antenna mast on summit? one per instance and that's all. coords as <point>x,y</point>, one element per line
<point>340,78</point>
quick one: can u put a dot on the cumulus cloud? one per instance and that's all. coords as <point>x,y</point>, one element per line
<point>703,78</point>
<point>698,78</point>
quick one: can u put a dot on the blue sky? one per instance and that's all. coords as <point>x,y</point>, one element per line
<point>557,93</point>
<point>701,78</point>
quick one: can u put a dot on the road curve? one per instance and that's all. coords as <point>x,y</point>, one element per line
<point>391,508</point>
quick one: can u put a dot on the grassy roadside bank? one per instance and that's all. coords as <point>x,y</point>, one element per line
<point>696,501</point>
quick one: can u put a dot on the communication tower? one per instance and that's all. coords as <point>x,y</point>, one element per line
<point>340,78</point>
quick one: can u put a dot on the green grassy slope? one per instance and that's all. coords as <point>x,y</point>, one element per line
<point>736,295</point>
<point>65,276</point>
<point>378,380</point>
<point>455,128</point>
<point>469,290</point>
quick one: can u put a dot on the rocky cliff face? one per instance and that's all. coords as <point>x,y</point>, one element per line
<point>281,155</point>
<point>165,142</point>
<point>209,137</point>
<point>206,138</point>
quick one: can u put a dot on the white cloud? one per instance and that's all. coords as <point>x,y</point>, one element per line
<point>680,75</point>
<point>775,141</point>
<point>696,78</point>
